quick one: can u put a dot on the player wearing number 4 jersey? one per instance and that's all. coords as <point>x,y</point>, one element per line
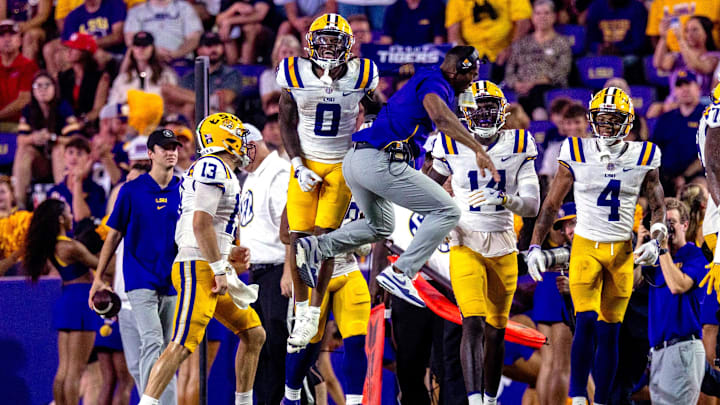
<point>318,114</point>
<point>608,175</point>
<point>483,252</point>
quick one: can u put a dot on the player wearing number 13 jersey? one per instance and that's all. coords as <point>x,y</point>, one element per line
<point>608,175</point>
<point>483,247</point>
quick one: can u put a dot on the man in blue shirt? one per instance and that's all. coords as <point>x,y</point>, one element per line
<point>616,27</point>
<point>377,171</point>
<point>103,19</point>
<point>674,315</point>
<point>144,216</point>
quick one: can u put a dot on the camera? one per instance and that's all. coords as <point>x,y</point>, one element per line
<point>554,256</point>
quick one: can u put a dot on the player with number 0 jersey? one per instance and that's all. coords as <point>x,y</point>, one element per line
<point>608,175</point>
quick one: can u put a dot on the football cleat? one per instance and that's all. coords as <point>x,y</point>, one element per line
<point>306,327</point>
<point>308,260</point>
<point>399,285</point>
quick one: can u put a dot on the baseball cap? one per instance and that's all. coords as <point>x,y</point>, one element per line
<point>143,38</point>
<point>8,26</point>
<point>684,76</point>
<point>567,211</point>
<point>210,39</point>
<point>185,132</point>
<point>82,42</point>
<point>162,137</point>
<point>137,148</point>
<point>254,133</point>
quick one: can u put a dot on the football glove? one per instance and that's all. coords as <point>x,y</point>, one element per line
<point>487,196</point>
<point>306,177</point>
<point>535,262</point>
<point>648,253</point>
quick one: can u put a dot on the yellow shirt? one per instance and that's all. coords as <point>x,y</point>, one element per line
<point>64,7</point>
<point>477,27</point>
<point>683,9</point>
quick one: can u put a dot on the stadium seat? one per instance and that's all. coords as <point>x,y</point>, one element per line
<point>596,70</point>
<point>642,97</point>
<point>576,34</point>
<point>653,75</point>
<point>8,145</point>
<point>579,94</point>
<point>539,128</point>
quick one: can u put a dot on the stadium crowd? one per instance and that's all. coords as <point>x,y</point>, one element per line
<point>88,87</point>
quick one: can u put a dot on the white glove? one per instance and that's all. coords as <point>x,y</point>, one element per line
<point>535,262</point>
<point>242,294</point>
<point>363,250</point>
<point>486,196</point>
<point>648,253</point>
<point>306,177</point>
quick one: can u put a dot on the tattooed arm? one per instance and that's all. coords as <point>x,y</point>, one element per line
<point>288,125</point>
<point>559,188</point>
<point>653,191</point>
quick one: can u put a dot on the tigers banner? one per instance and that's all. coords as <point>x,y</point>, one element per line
<point>374,348</point>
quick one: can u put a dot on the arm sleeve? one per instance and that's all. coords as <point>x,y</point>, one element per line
<point>434,84</point>
<point>207,198</point>
<point>527,202</point>
<point>120,215</point>
<point>375,80</point>
<point>695,268</point>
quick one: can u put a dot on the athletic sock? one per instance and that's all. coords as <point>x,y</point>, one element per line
<point>582,352</point>
<point>354,364</point>
<point>298,364</point>
<point>147,400</point>
<point>244,398</point>
<point>475,398</point>
<point>488,400</point>
<point>606,359</point>
<point>351,399</point>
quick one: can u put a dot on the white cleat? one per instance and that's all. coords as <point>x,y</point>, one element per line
<point>399,285</point>
<point>306,327</point>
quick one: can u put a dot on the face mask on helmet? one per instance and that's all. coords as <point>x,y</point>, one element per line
<point>329,48</point>
<point>486,118</point>
<point>239,147</point>
<point>610,126</point>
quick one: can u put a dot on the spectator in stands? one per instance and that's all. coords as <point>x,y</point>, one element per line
<point>517,118</point>
<point>247,20</point>
<point>114,124</point>
<point>490,26</point>
<point>574,123</point>
<point>675,131</point>
<point>697,54</point>
<point>16,73</point>
<point>360,26</point>
<point>300,14</point>
<point>103,19</point>
<point>46,124</point>
<point>414,22</point>
<point>29,18</point>
<point>674,14</point>
<point>616,27</point>
<point>271,135</point>
<point>173,23</point>
<point>373,10</point>
<point>286,46</point>
<point>48,242</point>
<point>540,61</point>
<point>85,197</point>
<point>674,314</point>
<point>225,82</point>
<point>105,171</point>
<point>695,196</point>
<point>13,223</point>
<point>142,70</point>
<point>84,85</point>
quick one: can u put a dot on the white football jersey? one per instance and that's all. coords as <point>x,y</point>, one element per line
<point>327,115</point>
<point>710,119</point>
<point>606,193</point>
<point>209,170</point>
<point>261,205</point>
<point>509,153</point>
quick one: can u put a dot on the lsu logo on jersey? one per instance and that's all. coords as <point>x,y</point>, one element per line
<point>414,224</point>
<point>246,209</point>
<point>352,213</point>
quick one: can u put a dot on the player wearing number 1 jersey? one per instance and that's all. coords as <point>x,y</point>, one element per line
<point>318,114</point>
<point>483,247</point>
<point>608,175</point>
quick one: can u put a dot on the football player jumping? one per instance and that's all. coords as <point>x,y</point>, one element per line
<point>204,270</point>
<point>318,113</point>
<point>483,247</point>
<point>608,175</point>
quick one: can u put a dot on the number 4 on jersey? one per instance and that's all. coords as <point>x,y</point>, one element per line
<point>610,197</point>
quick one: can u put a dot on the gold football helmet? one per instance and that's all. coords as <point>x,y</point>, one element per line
<point>484,107</point>
<point>329,41</point>
<point>224,132</point>
<point>611,114</point>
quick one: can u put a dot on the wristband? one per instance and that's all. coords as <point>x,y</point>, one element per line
<point>218,268</point>
<point>533,247</point>
<point>659,226</point>
<point>297,162</point>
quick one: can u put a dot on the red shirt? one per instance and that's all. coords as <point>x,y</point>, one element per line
<point>16,78</point>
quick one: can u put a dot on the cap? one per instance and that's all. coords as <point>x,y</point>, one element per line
<point>82,42</point>
<point>9,26</point>
<point>137,148</point>
<point>185,132</point>
<point>567,211</point>
<point>143,38</point>
<point>162,137</point>
<point>254,134</point>
<point>685,76</point>
<point>210,39</point>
